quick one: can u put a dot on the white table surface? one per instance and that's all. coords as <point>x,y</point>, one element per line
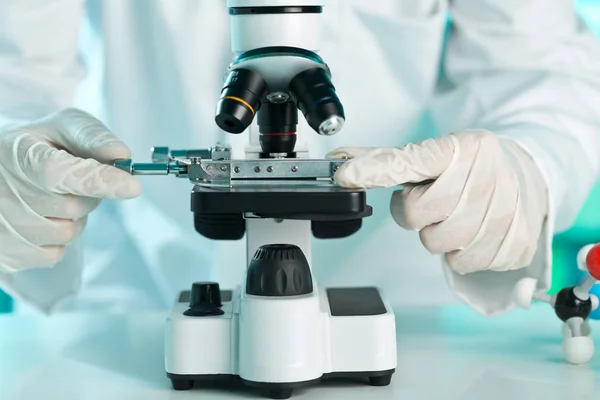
<point>443,353</point>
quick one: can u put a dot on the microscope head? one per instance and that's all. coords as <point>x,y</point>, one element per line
<point>277,72</point>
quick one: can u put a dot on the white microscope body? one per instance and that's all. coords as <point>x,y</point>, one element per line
<point>280,343</point>
<point>278,330</point>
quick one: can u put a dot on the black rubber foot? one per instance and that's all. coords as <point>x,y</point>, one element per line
<point>182,384</point>
<point>380,380</point>
<point>283,393</point>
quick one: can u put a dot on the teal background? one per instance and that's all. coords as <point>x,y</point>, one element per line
<point>566,245</point>
<point>587,226</point>
<point>6,303</point>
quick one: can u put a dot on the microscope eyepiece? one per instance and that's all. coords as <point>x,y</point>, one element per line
<point>316,98</point>
<point>240,100</point>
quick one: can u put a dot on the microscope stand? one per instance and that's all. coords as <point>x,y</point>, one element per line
<point>351,334</point>
<point>279,330</point>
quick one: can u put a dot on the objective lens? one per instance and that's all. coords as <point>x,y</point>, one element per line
<point>240,100</point>
<point>277,124</point>
<point>318,101</point>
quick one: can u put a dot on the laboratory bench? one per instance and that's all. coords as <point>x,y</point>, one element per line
<point>443,353</point>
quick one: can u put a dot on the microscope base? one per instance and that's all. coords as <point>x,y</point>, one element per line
<point>357,340</point>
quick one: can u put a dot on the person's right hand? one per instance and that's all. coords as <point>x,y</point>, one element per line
<point>53,173</point>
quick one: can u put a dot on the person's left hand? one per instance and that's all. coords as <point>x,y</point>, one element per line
<point>479,200</point>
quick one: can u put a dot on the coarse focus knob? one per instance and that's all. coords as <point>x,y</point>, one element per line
<point>279,270</point>
<point>205,300</point>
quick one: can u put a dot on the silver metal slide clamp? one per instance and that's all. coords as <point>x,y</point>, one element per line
<point>214,167</point>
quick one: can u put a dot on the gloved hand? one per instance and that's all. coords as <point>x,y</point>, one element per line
<point>476,198</point>
<point>51,178</point>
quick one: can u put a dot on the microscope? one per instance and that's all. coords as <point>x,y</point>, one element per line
<point>279,330</point>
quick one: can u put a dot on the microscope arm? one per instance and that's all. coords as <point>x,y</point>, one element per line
<point>275,23</point>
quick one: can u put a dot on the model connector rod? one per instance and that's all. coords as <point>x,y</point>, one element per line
<point>218,169</point>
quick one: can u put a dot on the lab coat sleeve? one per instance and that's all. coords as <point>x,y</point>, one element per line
<point>528,71</point>
<point>39,63</point>
<point>39,72</point>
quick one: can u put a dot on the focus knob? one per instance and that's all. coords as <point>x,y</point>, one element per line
<point>205,300</point>
<point>279,270</point>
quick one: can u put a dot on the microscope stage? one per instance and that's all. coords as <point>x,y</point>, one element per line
<point>285,201</point>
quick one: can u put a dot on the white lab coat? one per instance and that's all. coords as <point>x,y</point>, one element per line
<point>526,70</point>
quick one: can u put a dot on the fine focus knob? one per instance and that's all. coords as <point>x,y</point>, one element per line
<point>279,270</point>
<point>205,299</point>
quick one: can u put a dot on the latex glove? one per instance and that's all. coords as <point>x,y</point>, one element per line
<point>51,178</point>
<point>477,199</point>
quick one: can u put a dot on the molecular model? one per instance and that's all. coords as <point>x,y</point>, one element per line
<point>574,305</point>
